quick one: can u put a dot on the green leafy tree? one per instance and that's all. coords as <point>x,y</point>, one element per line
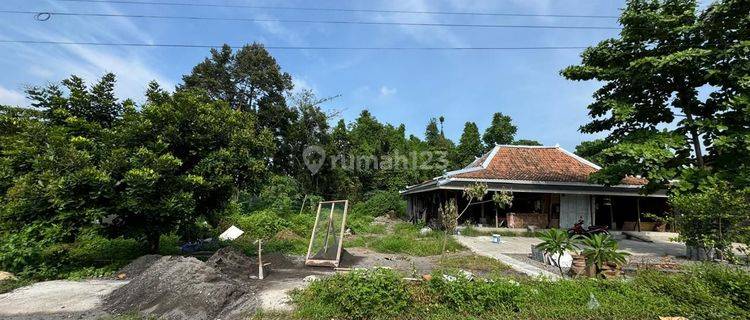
<point>526,142</point>
<point>500,131</point>
<point>181,160</point>
<point>470,146</point>
<point>250,80</point>
<point>592,150</point>
<point>649,102</point>
<point>724,27</point>
<point>715,218</point>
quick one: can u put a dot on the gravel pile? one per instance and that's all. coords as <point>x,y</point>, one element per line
<point>138,266</point>
<point>176,287</point>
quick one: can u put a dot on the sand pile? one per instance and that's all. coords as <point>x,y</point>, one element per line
<point>137,266</point>
<point>186,288</point>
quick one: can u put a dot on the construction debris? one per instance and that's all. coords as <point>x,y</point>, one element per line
<point>231,233</point>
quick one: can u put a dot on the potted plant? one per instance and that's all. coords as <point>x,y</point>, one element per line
<point>556,242</point>
<point>601,251</point>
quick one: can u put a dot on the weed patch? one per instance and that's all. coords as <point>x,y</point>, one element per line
<point>703,292</point>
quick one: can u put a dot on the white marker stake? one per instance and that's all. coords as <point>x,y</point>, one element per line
<point>260,260</point>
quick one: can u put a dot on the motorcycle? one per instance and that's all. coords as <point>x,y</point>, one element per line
<point>578,229</point>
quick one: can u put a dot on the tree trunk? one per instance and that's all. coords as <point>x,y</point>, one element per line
<point>153,242</point>
<point>695,138</point>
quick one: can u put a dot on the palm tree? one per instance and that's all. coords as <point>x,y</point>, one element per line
<point>556,242</point>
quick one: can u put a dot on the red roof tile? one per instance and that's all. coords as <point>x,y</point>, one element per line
<point>533,163</point>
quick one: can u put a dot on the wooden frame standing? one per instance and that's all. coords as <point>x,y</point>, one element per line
<point>309,261</point>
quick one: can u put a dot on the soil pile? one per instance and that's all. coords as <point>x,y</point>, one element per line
<point>138,266</point>
<point>186,288</point>
<point>233,263</point>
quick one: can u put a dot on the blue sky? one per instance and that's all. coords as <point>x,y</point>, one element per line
<point>396,86</point>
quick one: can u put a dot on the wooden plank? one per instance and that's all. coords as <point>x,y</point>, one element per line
<point>315,227</point>
<point>341,237</point>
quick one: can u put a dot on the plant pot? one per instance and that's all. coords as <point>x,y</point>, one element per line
<point>578,267</point>
<point>610,270</point>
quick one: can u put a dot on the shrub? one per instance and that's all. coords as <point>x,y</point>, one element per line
<point>373,294</point>
<point>713,218</point>
<point>704,292</point>
<point>476,297</point>
<point>35,251</point>
<point>260,224</point>
<point>302,224</point>
<point>382,202</point>
<point>93,249</point>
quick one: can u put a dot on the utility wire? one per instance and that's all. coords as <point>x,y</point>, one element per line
<point>463,13</point>
<point>48,14</point>
<point>325,48</point>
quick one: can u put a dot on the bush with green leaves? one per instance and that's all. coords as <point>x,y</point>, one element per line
<point>361,294</point>
<point>262,224</point>
<point>475,297</point>
<point>601,250</point>
<point>706,291</point>
<point>714,217</point>
<point>379,203</point>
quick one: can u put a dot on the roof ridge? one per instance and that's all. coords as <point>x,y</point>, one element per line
<point>525,146</point>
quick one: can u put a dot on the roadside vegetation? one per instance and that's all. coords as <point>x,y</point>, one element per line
<point>703,292</point>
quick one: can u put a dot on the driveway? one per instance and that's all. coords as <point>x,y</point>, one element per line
<point>522,245</point>
<point>60,299</point>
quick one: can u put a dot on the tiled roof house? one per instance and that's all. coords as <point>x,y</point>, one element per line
<point>551,189</point>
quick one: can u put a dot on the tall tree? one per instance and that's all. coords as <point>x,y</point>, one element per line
<point>251,80</point>
<point>248,79</point>
<point>432,133</point>
<point>500,131</point>
<point>725,28</point>
<point>651,75</point>
<point>469,147</point>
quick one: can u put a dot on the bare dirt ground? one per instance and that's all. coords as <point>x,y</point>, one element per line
<point>58,299</point>
<point>174,287</point>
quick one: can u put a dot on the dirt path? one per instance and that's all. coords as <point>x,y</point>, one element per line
<point>59,299</point>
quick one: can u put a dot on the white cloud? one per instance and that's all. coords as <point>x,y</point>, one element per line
<point>11,97</point>
<point>132,66</point>
<point>385,91</point>
<point>426,35</point>
<point>300,84</point>
<point>278,30</point>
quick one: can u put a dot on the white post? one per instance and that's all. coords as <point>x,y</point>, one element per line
<point>260,259</point>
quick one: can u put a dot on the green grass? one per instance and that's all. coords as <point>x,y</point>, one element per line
<point>406,239</point>
<point>473,263</point>
<point>702,292</point>
<point>471,231</point>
